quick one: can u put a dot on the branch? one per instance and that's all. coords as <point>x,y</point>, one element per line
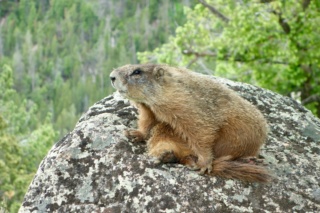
<point>215,11</point>
<point>305,4</point>
<point>227,57</point>
<point>311,99</point>
<point>192,61</point>
<point>203,54</point>
<point>282,21</point>
<point>267,1</point>
<point>196,58</point>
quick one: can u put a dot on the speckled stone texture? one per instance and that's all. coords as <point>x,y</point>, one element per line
<point>96,169</point>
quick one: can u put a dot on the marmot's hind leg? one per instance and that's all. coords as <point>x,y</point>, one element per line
<point>168,148</point>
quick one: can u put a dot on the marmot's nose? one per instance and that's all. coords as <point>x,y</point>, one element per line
<point>112,78</point>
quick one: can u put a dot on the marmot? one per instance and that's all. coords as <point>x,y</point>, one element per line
<point>194,120</point>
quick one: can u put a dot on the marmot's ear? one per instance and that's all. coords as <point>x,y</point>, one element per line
<point>158,72</point>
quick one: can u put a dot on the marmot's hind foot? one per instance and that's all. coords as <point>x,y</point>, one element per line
<point>168,157</point>
<point>190,161</point>
<point>205,166</point>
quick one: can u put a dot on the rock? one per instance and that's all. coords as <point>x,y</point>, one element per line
<point>95,168</point>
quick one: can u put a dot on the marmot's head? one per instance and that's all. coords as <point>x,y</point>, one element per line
<point>139,83</point>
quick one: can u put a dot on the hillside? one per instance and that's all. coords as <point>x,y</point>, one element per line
<point>55,59</point>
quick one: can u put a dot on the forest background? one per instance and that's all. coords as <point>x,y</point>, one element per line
<point>56,56</point>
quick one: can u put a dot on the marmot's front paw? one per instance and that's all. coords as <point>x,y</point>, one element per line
<point>134,135</point>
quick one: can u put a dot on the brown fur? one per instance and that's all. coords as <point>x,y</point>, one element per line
<point>193,120</point>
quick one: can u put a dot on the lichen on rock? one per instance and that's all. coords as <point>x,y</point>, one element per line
<point>95,168</point>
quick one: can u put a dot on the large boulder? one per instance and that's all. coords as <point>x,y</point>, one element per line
<point>95,168</point>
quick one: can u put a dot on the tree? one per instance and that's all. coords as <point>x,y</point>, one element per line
<point>271,43</point>
<point>6,6</point>
<point>55,60</point>
<point>22,147</point>
<point>77,43</point>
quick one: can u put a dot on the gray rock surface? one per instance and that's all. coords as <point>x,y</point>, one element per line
<point>95,168</point>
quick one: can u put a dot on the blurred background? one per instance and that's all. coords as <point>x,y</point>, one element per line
<point>56,56</point>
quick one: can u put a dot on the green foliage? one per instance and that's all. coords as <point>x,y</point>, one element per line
<point>76,44</point>
<point>273,44</point>
<point>55,60</point>
<point>22,147</point>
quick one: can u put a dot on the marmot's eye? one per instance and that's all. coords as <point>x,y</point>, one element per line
<point>136,72</point>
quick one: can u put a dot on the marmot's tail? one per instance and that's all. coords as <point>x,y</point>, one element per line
<point>227,168</point>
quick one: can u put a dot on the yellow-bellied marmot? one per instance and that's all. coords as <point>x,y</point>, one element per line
<point>194,120</point>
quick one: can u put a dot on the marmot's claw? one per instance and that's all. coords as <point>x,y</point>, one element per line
<point>193,168</point>
<point>204,170</point>
<point>205,166</point>
<point>157,161</point>
<point>134,135</point>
